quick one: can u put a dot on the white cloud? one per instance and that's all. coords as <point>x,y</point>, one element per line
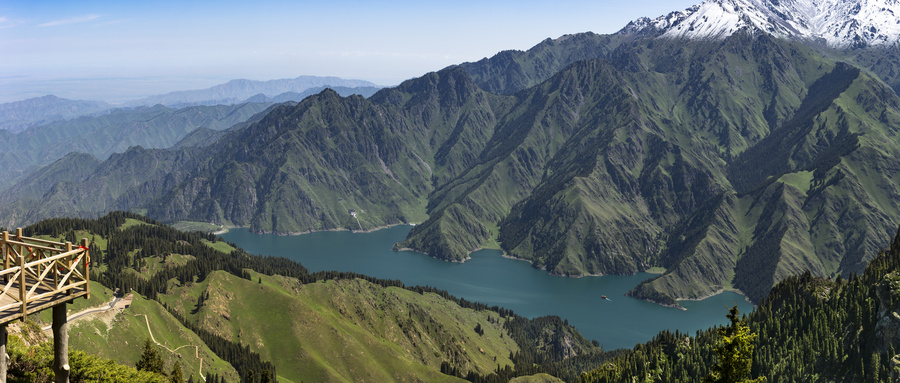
<point>5,22</point>
<point>73,20</point>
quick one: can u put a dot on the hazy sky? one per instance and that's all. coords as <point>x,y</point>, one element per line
<point>118,50</point>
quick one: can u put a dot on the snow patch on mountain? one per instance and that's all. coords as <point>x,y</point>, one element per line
<point>837,23</point>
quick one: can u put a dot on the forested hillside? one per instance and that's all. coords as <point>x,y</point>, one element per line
<point>810,329</point>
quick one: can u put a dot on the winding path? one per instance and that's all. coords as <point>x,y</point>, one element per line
<point>112,305</point>
<point>196,348</point>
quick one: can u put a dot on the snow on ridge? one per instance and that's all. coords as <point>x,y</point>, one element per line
<point>837,23</point>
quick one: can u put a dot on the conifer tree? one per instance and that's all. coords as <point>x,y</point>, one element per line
<point>734,351</point>
<point>177,375</point>
<point>150,359</point>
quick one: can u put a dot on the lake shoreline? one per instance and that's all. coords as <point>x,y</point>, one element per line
<point>720,291</point>
<point>299,233</point>
<point>502,254</point>
<point>491,278</point>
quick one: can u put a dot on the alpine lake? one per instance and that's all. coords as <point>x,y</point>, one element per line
<point>616,322</point>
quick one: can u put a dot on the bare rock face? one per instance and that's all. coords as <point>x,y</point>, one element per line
<point>564,345</point>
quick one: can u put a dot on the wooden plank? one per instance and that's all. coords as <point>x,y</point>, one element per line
<point>9,306</point>
<point>40,240</point>
<point>8,287</point>
<point>55,257</point>
<point>67,289</point>
<point>10,270</point>
<point>34,246</point>
<point>41,306</point>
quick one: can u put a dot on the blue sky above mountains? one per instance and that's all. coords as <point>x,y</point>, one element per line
<point>131,49</point>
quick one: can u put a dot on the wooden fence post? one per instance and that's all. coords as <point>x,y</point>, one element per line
<point>4,357</point>
<point>4,249</point>
<point>60,344</point>
<point>68,261</point>
<point>22,289</point>
<point>87,265</point>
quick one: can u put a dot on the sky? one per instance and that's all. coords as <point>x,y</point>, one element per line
<point>121,50</point>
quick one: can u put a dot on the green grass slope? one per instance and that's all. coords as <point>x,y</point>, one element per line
<point>122,338</point>
<point>348,330</point>
<point>510,71</point>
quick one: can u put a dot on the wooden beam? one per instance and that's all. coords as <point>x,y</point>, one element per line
<point>87,265</point>
<point>36,247</point>
<point>22,289</point>
<point>4,356</point>
<point>60,344</point>
<point>4,248</point>
<point>11,315</point>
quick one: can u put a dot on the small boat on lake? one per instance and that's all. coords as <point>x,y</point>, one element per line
<point>604,297</point>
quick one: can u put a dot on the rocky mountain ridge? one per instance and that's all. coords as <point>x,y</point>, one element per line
<point>834,23</point>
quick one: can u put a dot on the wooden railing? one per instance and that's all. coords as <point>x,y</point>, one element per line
<point>38,272</point>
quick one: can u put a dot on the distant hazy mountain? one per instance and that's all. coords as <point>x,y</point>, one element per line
<point>19,115</point>
<point>116,131</point>
<point>365,91</point>
<point>237,91</point>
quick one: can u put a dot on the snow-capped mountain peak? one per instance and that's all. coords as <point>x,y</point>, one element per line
<point>837,23</point>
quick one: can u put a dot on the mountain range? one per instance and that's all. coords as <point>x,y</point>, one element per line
<point>834,23</point>
<point>110,132</point>
<point>238,91</point>
<point>20,115</point>
<point>732,160</point>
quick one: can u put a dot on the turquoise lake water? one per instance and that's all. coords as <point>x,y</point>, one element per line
<point>620,322</point>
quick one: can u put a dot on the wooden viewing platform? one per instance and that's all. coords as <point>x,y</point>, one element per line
<point>38,274</point>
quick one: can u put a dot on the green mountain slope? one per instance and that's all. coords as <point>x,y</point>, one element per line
<point>114,132</point>
<point>732,164</point>
<point>313,166</point>
<point>394,334</point>
<point>825,204</point>
<point>122,181</point>
<point>510,71</point>
<point>121,339</point>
